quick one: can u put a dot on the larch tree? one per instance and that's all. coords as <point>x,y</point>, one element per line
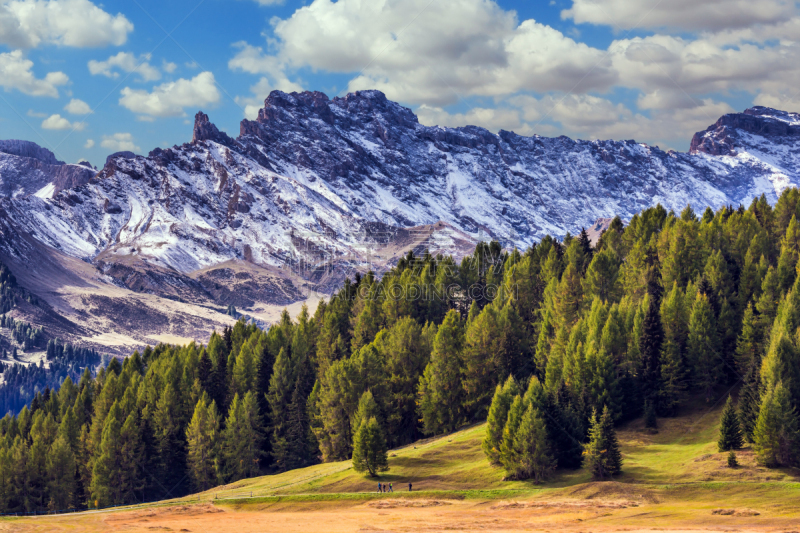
<point>369,448</point>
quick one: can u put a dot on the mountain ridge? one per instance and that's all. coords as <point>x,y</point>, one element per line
<point>315,189</point>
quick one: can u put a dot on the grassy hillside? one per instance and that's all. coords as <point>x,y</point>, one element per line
<point>673,480</point>
<point>682,451</point>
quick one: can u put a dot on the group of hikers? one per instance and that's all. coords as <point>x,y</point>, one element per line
<point>387,487</point>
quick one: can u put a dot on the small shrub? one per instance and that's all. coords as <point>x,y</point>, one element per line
<point>732,461</point>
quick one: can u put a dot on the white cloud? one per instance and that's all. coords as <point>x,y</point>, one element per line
<point>127,62</point>
<point>586,117</point>
<point>712,15</point>
<point>672,71</point>
<point>251,59</point>
<point>168,66</point>
<point>170,99</point>
<point>78,107</point>
<point>15,73</point>
<point>76,23</point>
<point>493,119</point>
<point>57,122</point>
<point>119,142</point>
<point>422,52</point>
<point>89,144</point>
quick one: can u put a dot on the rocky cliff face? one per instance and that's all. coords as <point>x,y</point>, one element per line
<point>316,187</point>
<point>26,168</point>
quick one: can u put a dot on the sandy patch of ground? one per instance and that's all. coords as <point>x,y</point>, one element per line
<point>403,515</point>
<point>395,504</point>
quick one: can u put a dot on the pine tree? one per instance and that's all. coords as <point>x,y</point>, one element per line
<point>508,452</point>
<point>201,439</point>
<point>703,345</point>
<point>367,408</point>
<point>106,483</point>
<point>369,448</point>
<point>602,278</point>
<point>496,420</point>
<point>674,367</point>
<point>650,349</point>
<point>532,447</point>
<point>748,346</point>
<point>750,400</point>
<point>775,437</point>
<point>602,452</point>
<point>131,458</point>
<point>440,390</point>
<point>242,438</point>
<point>730,432</point>
<point>280,396</point>
<point>61,475</point>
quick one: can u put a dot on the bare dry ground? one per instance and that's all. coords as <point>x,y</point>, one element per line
<point>673,480</point>
<point>419,515</point>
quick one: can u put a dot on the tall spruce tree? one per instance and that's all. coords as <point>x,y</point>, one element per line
<point>650,344</point>
<point>776,434</point>
<point>703,346</point>
<point>440,390</point>
<point>533,448</point>
<point>730,432</point>
<point>750,400</point>
<point>602,452</point>
<point>202,440</point>
<point>496,420</point>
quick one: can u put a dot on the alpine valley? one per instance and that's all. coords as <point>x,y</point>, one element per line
<point>163,247</point>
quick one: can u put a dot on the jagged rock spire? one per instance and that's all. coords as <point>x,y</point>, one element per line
<point>204,130</point>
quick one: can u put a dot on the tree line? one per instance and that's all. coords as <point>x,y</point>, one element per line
<point>553,346</point>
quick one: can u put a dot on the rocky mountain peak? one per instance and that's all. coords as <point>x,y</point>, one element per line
<point>205,130</point>
<point>29,149</point>
<point>724,137</point>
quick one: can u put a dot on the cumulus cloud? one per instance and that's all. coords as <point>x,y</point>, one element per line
<point>78,107</point>
<point>711,15</point>
<point>119,142</point>
<point>57,122</point>
<point>671,70</point>
<point>170,99</point>
<point>126,62</point>
<point>15,73</point>
<point>433,53</point>
<point>76,23</point>
<point>493,119</point>
<point>89,144</point>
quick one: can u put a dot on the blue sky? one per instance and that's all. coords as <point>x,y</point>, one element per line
<point>87,78</point>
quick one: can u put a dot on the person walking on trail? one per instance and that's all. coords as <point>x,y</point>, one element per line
<point>379,488</point>
<point>391,489</point>
<point>409,487</point>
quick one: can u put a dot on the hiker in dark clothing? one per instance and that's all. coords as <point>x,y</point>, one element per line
<point>409,487</point>
<point>380,489</point>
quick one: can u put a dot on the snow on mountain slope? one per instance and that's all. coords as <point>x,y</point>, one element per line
<point>373,157</point>
<point>27,168</point>
<point>315,181</point>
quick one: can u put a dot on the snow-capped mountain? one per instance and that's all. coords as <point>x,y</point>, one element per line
<point>27,168</point>
<point>315,187</point>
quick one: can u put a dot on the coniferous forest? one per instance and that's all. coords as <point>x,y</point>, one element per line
<point>552,346</point>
